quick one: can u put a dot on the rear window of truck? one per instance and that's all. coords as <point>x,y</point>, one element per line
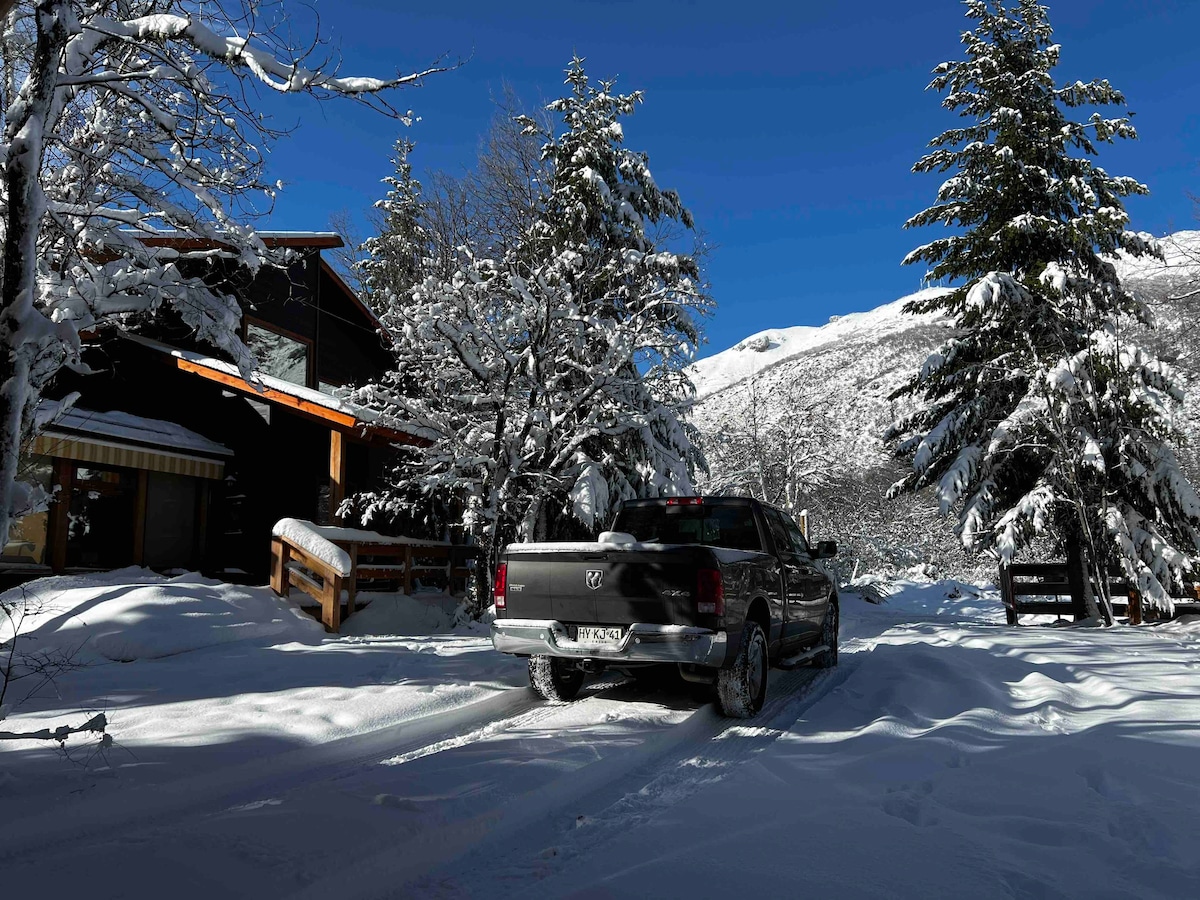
<point>717,526</point>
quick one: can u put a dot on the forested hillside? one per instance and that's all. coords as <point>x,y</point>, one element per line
<point>797,415</point>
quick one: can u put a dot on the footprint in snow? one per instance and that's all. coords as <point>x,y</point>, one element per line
<point>911,803</point>
<point>391,801</point>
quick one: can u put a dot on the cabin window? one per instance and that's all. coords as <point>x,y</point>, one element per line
<point>26,544</point>
<point>279,355</point>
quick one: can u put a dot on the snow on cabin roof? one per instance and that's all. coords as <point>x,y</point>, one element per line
<point>139,429</point>
<point>307,394</point>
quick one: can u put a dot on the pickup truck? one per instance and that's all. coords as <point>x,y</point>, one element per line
<point>721,587</point>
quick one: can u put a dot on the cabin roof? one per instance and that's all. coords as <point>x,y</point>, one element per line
<point>335,412</point>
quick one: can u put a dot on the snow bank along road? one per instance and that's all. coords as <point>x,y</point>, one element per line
<point>947,755</point>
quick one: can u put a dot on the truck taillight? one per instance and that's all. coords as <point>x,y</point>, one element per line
<point>501,585</point>
<point>710,592</point>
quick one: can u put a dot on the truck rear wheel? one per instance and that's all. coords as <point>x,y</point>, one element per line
<point>742,688</point>
<point>554,679</point>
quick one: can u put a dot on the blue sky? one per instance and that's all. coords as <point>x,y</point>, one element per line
<point>788,129</point>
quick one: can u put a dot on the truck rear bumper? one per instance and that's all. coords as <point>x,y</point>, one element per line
<point>642,643</point>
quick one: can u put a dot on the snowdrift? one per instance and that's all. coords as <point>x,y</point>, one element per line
<point>135,614</point>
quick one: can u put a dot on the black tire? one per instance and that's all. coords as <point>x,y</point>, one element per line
<point>829,637</point>
<point>742,688</point>
<point>554,679</point>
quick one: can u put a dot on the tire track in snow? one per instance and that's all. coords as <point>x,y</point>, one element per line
<point>541,710</point>
<point>650,791</point>
<point>143,812</point>
<point>538,833</point>
<point>142,809</point>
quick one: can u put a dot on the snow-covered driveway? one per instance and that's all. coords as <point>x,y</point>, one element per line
<point>947,755</point>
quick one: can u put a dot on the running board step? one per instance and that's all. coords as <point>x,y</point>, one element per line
<point>793,662</point>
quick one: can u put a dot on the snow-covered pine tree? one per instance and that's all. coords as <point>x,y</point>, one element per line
<point>1039,415</point>
<point>552,381</point>
<point>397,259</point>
<point>118,117</point>
<point>605,232</point>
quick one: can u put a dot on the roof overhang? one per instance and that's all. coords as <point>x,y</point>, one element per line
<point>308,403</point>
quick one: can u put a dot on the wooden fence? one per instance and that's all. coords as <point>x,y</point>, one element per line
<point>1046,589</point>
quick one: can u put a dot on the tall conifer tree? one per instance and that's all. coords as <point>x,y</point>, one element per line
<point>547,373</point>
<point>1040,415</point>
<point>396,260</point>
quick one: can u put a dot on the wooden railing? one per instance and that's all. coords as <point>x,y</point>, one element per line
<point>329,564</point>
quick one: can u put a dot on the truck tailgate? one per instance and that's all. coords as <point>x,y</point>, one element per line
<point>609,587</point>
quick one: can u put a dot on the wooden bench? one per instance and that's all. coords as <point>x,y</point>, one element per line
<point>324,573</point>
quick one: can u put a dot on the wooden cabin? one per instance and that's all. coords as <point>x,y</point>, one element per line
<point>171,459</point>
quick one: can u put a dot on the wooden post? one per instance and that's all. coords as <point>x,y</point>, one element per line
<point>337,473</point>
<point>1135,607</point>
<point>58,519</point>
<point>1007,597</point>
<point>139,517</point>
<point>280,557</point>
<point>352,581</point>
<point>408,564</point>
<point>331,603</point>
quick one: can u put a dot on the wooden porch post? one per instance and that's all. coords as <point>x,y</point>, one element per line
<point>337,473</point>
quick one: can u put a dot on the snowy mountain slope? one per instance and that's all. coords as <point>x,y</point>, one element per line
<point>759,352</point>
<point>850,366</point>
<point>847,368</point>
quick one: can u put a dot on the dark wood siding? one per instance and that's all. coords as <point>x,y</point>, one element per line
<point>349,348</point>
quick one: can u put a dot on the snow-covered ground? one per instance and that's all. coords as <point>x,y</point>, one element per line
<point>947,756</point>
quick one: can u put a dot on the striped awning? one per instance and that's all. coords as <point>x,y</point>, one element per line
<point>114,453</point>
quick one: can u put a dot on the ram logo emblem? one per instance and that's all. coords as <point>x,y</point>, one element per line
<point>593,577</point>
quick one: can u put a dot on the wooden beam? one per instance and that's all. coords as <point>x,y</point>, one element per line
<point>363,431</point>
<point>337,474</point>
<point>306,407</point>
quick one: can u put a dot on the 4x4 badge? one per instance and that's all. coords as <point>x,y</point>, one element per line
<point>593,577</point>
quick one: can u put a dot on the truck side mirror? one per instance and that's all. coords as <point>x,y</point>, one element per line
<point>826,549</point>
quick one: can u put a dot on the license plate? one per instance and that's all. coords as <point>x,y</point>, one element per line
<point>599,635</point>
